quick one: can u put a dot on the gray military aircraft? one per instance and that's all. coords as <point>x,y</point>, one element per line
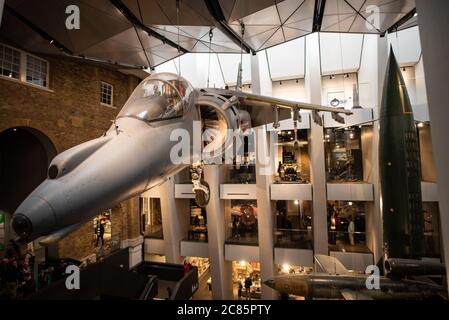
<point>134,154</point>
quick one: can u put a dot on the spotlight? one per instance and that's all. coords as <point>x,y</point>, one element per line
<point>404,69</point>
<point>243,263</point>
<point>297,80</point>
<point>296,202</point>
<point>285,268</point>
<point>351,136</point>
<point>350,203</point>
<point>416,14</point>
<point>332,77</point>
<point>347,75</point>
<point>421,125</point>
<point>280,83</point>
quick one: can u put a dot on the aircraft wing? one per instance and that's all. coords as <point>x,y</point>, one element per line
<point>354,295</point>
<point>331,265</point>
<point>261,107</point>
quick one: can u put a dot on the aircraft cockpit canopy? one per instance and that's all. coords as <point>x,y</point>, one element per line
<point>159,97</point>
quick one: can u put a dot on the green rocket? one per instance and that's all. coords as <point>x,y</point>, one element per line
<point>400,170</point>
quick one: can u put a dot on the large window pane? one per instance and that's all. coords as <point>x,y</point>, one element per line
<point>9,62</point>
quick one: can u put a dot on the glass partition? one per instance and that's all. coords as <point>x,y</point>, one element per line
<point>151,218</point>
<point>241,219</point>
<point>293,162</point>
<point>293,224</point>
<point>343,155</point>
<point>198,223</point>
<point>240,174</point>
<point>432,235</point>
<point>346,225</point>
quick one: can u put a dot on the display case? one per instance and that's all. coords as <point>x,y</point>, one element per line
<point>347,226</point>
<point>292,157</point>
<point>198,223</point>
<point>293,224</point>
<point>151,217</point>
<point>241,219</point>
<point>343,149</point>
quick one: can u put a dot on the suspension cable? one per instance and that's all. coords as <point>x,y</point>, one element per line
<point>211,35</point>
<point>179,48</point>
<point>242,26</point>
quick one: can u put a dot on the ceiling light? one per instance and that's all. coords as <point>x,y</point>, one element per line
<point>421,125</point>
<point>296,202</point>
<point>350,203</point>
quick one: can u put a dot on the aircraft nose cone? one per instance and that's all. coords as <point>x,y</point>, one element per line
<point>34,217</point>
<point>22,225</point>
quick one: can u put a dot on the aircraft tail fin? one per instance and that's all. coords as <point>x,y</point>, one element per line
<point>330,264</point>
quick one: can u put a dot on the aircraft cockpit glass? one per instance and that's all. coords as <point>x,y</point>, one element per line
<point>164,97</point>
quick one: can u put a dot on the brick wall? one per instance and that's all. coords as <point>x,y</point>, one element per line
<point>68,114</point>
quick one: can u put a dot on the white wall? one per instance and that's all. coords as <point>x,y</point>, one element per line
<point>340,86</point>
<point>340,53</point>
<point>290,90</point>
<point>406,45</point>
<point>286,60</point>
<point>195,68</point>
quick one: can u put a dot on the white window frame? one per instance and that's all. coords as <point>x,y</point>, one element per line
<point>112,95</point>
<point>23,64</point>
<point>23,69</point>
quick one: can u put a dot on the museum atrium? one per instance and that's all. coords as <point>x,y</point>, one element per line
<point>335,112</point>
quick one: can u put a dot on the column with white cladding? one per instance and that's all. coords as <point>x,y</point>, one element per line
<point>175,221</point>
<point>220,269</point>
<point>261,84</point>
<point>316,145</point>
<point>371,78</point>
<point>433,24</point>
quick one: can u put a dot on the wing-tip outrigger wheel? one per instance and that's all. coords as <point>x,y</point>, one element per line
<point>200,187</point>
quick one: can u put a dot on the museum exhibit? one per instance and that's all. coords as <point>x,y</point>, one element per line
<point>252,150</point>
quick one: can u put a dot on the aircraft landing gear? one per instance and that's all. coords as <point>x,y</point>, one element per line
<point>200,187</point>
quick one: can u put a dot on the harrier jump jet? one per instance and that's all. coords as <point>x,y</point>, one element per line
<point>134,154</point>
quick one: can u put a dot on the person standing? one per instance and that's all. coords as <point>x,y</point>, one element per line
<point>99,232</point>
<point>248,285</point>
<point>351,230</point>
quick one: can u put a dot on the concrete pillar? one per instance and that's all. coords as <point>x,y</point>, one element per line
<point>371,79</point>
<point>135,239</point>
<point>264,178</point>
<point>433,24</point>
<point>175,221</point>
<point>260,75</point>
<point>220,269</point>
<point>262,84</point>
<point>316,148</point>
